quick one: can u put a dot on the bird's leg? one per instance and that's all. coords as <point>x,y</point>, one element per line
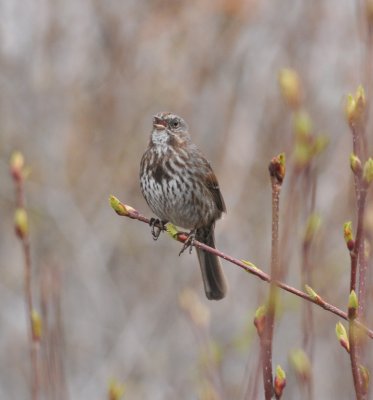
<point>189,242</point>
<point>156,229</point>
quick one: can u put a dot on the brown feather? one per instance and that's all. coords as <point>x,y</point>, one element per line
<point>213,185</point>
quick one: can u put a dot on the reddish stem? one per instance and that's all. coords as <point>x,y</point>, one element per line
<point>354,357</point>
<point>134,214</point>
<point>34,344</point>
<point>267,339</point>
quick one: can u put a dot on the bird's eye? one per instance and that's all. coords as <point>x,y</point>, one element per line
<point>175,123</point>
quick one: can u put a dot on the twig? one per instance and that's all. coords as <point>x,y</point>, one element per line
<point>354,358</point>
<point>358,263</point>
<point>17,172</point>
<point>359,251</point>
<point>355,346</point>
<point>356,116</point>
<point>277,173</point>
<point>127,211</point>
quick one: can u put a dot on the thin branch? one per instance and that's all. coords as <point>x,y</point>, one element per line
<point>16,169</point>
<point>359,250</point>
<point>127,211</point>
<point>354,358</point>
<point>359,267</point>
<point>277,172</point>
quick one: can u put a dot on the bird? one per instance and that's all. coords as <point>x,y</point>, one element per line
<point>180,187</point>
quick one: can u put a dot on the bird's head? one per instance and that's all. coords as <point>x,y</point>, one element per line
<point>168,128</point>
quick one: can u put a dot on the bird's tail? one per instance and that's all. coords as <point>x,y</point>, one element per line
<point>212,274</point>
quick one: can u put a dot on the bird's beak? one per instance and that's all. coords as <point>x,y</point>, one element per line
<point>159,123</point>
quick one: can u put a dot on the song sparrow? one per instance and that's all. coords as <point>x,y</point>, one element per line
<point>180,187</point>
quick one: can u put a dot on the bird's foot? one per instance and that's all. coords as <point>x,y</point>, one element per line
<point>157,226</point>
<point>189,242</point>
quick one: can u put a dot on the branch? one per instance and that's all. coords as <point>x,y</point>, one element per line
<point>128,211</point>
<point>277,173</point>
<point>355,346</point>
<point>18,174</point>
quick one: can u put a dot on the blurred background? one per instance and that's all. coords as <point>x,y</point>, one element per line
<point>80,82</point>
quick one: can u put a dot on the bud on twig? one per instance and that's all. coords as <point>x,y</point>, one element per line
<point>302,125</point>
<point>342,336</point>
<point>365,378</point>
<point>314,296</point>
<point>368,172</point>
<point>251,265</point>
<point>117,206</point>
<point>353,305</point>
<point>355,164</point>
<point>17,163</point>
<point>290,86</point>
<point>301,364</point>
<point>172,230</point>
<point>277,168</point>
<point>348,236</point>
<point>115,390</point>
<point>259,319</point>
<point>280,382</point>
<point>355,107</point>
<point>37,325</point>
<point>21,223</point>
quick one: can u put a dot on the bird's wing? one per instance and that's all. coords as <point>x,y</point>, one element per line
<point>213,185</point>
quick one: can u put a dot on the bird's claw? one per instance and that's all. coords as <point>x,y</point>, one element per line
<point>189,242</point>
<point>156,225</point>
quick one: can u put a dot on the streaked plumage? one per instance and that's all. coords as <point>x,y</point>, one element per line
<point>180,187</point>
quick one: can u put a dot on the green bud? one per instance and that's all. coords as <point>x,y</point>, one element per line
<point>172,230</point>
<point>115,390</point>
<point>355,164</point>
<point>280,382</point>
<point>302,125</point>
<point>16,164</point>
<point>259,319</point>
<point>360,97</point>
<point>368,171</point>
<point>290,86</point>
<point>342,336</point>
<point>302,154</point>
<point>350,108</point>
<point>355,106</point>
<point>348,236</point>
<point>353,305</point>
<point>119,207</point>
<point>251,265</point>
<point>37,325</point>
<point>21,222</point>
<point>365,377</point>
<point>301,364</point>
<point>312,293</point>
